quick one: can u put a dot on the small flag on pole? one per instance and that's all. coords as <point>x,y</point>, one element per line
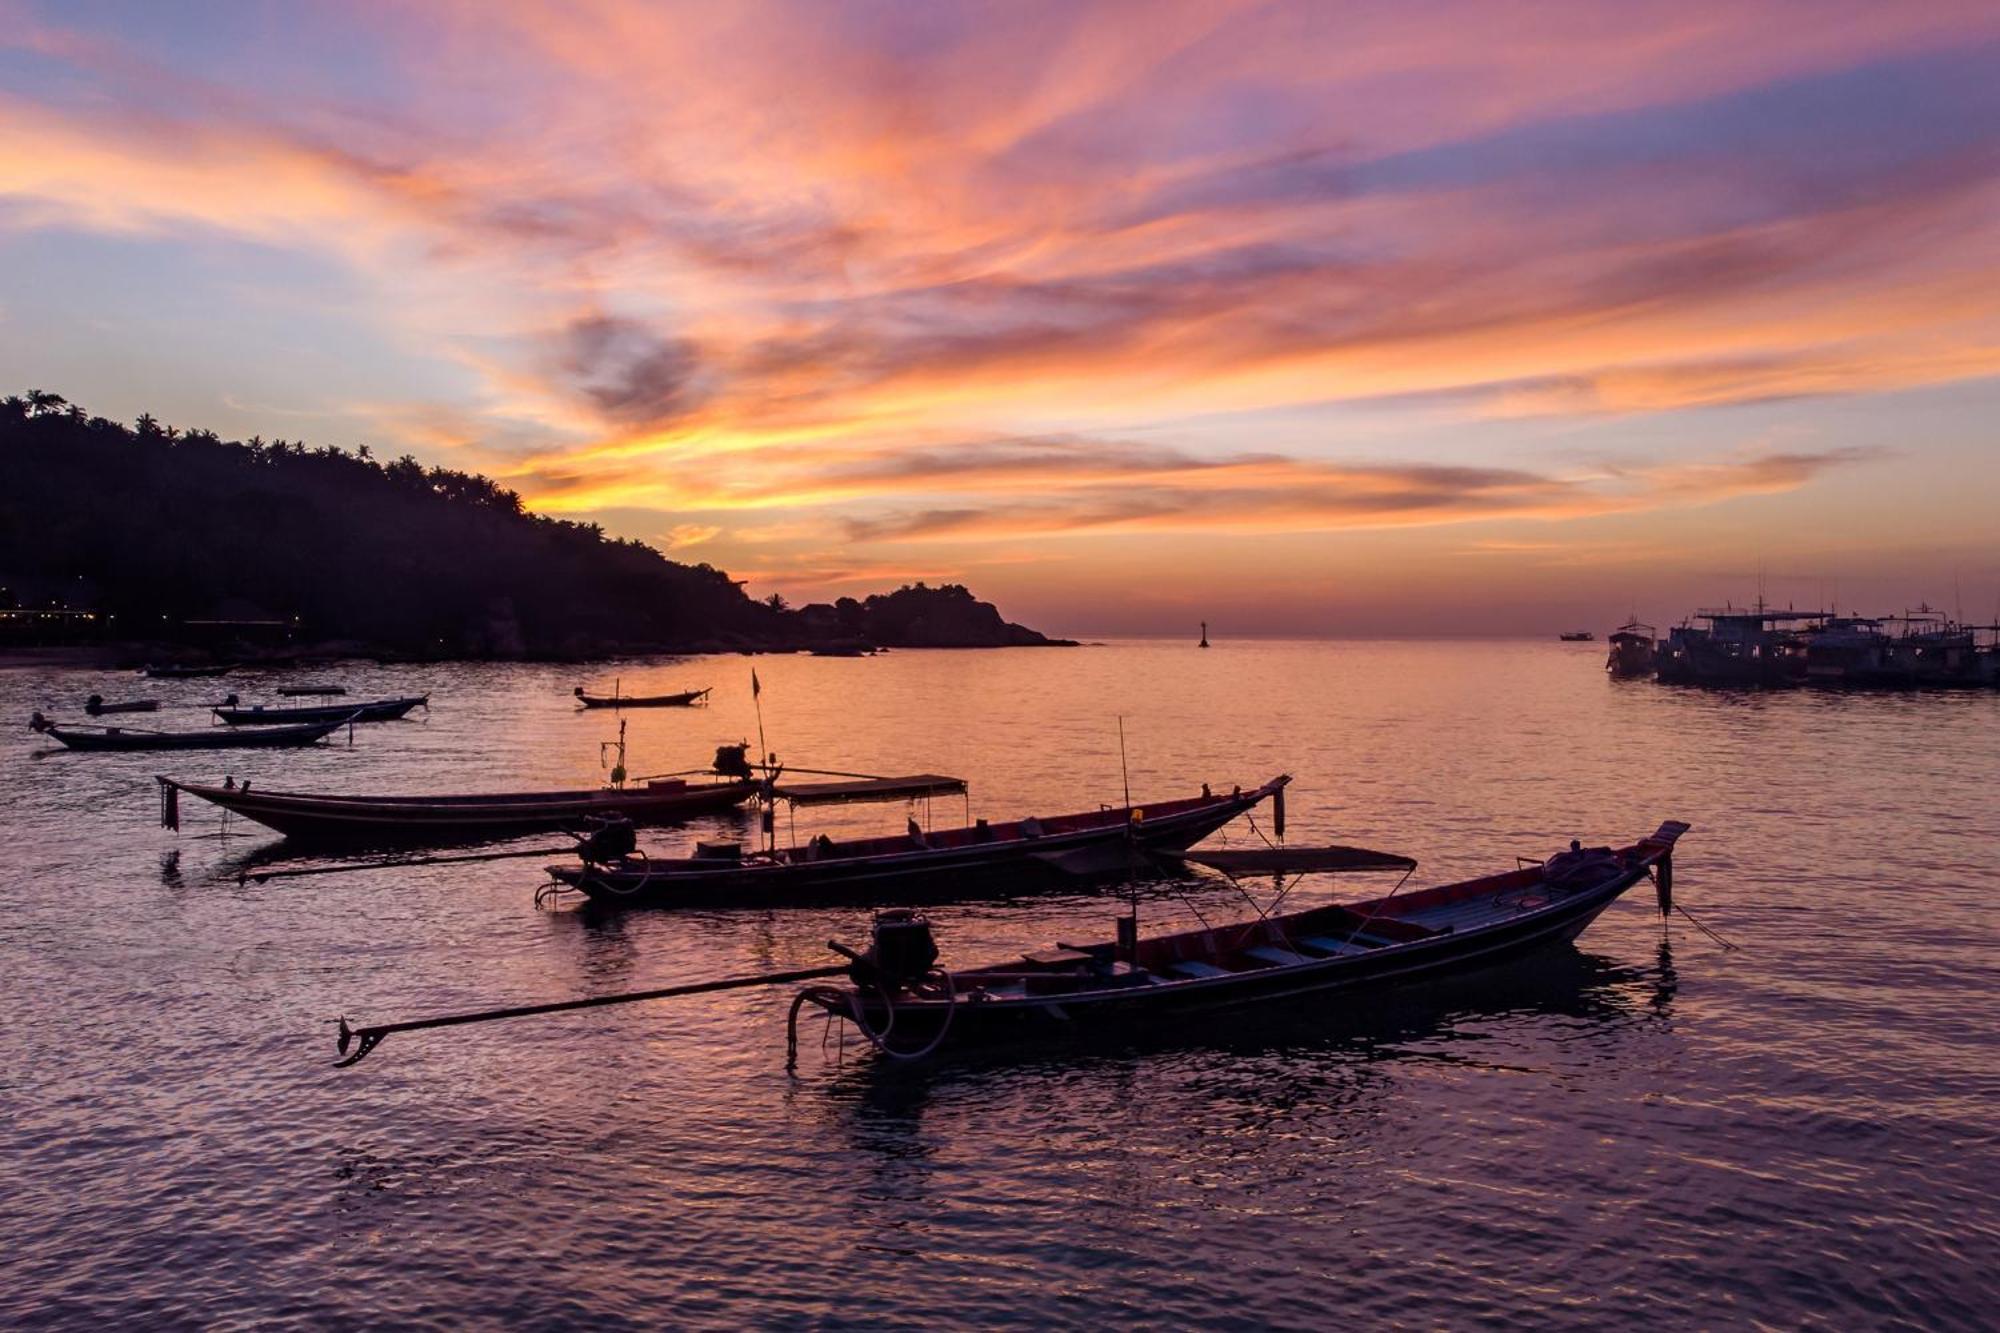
<point>755,688</point>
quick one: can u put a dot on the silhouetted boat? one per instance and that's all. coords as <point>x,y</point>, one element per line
<point>208,738</point>
<point>380,710</point>
<point>172,672</point>
<point>1577,636</point>
<point>682,700</point>
<point>96,705</point>
<point>322,817</point>
<point>916,866</point>
<point>1634,650</point>
<point>1738,646</point>
<point>908,1008</point>
<point>311,691</point>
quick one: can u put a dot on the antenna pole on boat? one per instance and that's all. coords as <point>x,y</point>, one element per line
<point>770,815</point>
<point>618,769</point>
<point>1128,925</point>
<point>1122,770</point>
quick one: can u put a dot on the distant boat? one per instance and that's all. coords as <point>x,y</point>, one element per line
<point>95,705</point>
<point>379,710</point>
<point>1204,635</point>
<point>1578,636</point>
<point>311,691</point>
<point>685,699</point>
<point>208,738</point>
<point>171,672</point>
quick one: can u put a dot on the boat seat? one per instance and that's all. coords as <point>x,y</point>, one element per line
<point>1271,954</point>
<point>1196,970</point>
<point>1331,947</point>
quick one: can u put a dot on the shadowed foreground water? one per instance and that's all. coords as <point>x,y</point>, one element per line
<point>1642,1127</point>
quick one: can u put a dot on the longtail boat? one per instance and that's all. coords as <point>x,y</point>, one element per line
<point>916,866</point>
<point>379,710</point>
<point>311,691</point>
<point>685,699</point>
<point>908,1008</point>
<point>171,672</point>
<point>324,817</point>
<point>96,705</point>
<point>208,738</point>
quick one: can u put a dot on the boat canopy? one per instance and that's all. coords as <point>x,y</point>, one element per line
<point>1255,860</point>
<point>912,788</point>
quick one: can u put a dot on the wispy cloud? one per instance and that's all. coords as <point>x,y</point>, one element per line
<point>905,269</point>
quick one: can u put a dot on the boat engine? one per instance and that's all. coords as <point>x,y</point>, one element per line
<point>900,954</point>
<point>609,839</point>
<point>731,761</point>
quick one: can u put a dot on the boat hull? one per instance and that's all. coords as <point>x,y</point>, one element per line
<point>1329,983</point>
<point>1149,999</point>
<point>381,710</point>
<point>213,738</point>
<point>308,817</point>
<point>688,699</point>
<point>912,874</point>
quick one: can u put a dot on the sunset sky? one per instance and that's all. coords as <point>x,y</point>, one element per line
<point>1301,318</point>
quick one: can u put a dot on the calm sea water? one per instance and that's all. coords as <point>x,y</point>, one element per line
<point>1800,1133</point>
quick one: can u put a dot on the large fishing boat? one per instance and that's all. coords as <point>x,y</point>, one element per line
<point>908,1008</point>
<point>1738,646</point>
<point>1635,650</point>
<point>915,866</point>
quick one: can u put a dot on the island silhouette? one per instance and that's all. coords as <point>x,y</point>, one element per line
<point>149,535</point>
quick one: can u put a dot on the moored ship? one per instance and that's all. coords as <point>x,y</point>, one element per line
<point>1738,646</point>
<point>1635,650</point>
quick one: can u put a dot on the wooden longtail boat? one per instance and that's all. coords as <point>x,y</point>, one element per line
<point>95,706</point>
<point>322,817</point>
<point>311,691</point>
<point>171,672</point>
<point>380,710</point>
<point>208,738</point>
<point>932,866</point>
<point>908,1009</point>
<point>685,699</point>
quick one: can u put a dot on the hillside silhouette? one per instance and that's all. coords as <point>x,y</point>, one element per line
<point>166,527</point>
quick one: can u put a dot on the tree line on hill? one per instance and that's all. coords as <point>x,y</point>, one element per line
<point>170,526</point>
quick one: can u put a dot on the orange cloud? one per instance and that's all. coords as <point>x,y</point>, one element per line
<point>777,261</point>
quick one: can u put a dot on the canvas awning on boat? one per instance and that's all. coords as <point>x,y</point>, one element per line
<point>1293,860</point>
<point>914,787</point>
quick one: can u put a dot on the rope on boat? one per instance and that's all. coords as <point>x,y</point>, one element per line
<point>1726,945</point>
<point>608,881</point>
<point>880,1040</point>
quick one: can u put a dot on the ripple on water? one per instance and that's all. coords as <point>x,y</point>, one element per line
<point>1798,1133</point>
